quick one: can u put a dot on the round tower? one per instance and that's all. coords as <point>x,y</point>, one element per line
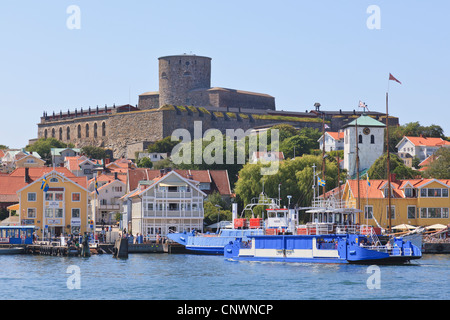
<point>180,74</point>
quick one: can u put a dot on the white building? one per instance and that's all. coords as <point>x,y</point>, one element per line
<point>371,143</point>
<point>333,141</point>
<point>107,203</point>
<point>420,147</point>
<point>266,156</point>
<point>59,154</point>
<point>169,203</point>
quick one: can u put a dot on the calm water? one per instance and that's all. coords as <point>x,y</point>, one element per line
<point>191,277</point>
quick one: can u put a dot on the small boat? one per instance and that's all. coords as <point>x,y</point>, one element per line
<point>12,250</point>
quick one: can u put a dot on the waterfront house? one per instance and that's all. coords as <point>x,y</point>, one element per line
<point>418,202</point>
<point>166,203</point>
<point>106,204</point>
<point>60,209</point>
<point>81,166</point>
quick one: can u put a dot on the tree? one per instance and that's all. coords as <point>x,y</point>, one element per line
<point>294,177</point>
<point>440,167</point>
<point>396,166</point>
<point>165,145</point>
<point>43,147</point>
<point>145,163</point>
<point>94,152</point>
<point>3,147</point>
<point>212,213</point>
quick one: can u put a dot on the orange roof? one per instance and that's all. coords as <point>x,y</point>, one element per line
<point>375,190</point>
<point>336,135</point>
<point>38,172</point>
<point>429,142</point>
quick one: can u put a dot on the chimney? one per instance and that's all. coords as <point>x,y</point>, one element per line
<point>115,176</point>
<point>27,175</point>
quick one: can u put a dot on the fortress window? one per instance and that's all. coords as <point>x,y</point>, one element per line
<point>164,75</point>
<point>87,130</point>
<point>68,133</point>
<point>45,133</point>
<point>188,63</point>
<point>187,74</point>
<point>79,132</point>
<point>95,130</point>
<point>103,129</point>
<point>53,132</point>
<point>60,134</point>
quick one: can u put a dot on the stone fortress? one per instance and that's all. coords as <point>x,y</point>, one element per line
<point>185,96</point>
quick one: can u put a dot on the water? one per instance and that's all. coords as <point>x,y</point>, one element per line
<point>192,277</point>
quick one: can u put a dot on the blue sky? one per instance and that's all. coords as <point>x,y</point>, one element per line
<point>300,52</point>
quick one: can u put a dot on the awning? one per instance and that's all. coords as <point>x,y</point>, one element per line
<point>14,207</point>
<point>436,227</point>
<point>404,227</point>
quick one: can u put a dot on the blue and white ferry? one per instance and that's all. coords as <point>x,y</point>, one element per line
<point>329,238</point>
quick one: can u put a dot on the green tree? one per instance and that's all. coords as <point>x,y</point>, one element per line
<point>145,163</point>
<point>294,177</point>
<point>43,147</point>
<point>212,212</point>
<point>94,152</point>
<point>3,147</point>
<point>379,169</point>
<point>440,167</point>
<point>165,145</point>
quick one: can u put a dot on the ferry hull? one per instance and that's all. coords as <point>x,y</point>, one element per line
<point>320,249</point>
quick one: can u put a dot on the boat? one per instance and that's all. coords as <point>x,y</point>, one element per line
<point>330,237</point>
<point>12,250</point>
<point>278,221</point>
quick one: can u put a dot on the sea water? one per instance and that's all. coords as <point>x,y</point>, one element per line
<point>196,277</point>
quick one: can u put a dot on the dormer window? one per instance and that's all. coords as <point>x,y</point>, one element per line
<point>408,193</point>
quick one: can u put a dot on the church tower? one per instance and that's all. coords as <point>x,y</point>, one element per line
<point>369,138</point>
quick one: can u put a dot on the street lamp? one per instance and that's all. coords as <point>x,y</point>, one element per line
<point>218,213</point>
<point>289,201</point>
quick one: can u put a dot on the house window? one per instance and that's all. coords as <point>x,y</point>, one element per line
<point>372,139</point>
<point>76,197</point>
<point>48,212</point>
<point>54,180</point>
<point>49,197</point>
<point>408,193</point>
<point>150,206</point>
<point>31,197</point>
<point>58,213</point>
<point>103,202</point>
<point>434,213</point>
<point>392,212</point>
<point>368,212</point>
<point>411,212</point>
<point>360,139</point>
<point>117,189</point>
<point>31,213</point>
<point>76,213</point>
<point>59,196</point>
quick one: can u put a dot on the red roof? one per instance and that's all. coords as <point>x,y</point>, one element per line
<point>429,142</point>
<point>336,135</point>
<point>376,187</point>
<point>217,178</point>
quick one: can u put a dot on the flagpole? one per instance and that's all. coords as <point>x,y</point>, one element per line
<point>388,161</point>
<point>357,169</point>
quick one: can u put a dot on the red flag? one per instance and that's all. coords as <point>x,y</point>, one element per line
<point>391,77</point>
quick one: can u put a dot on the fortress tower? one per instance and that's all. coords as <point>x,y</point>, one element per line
<point>185,80</point>
<point>178,75</point>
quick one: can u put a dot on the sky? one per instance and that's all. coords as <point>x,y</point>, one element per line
<point>333,52</point>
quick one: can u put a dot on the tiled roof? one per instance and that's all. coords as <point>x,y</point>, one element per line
<point>429,142</point>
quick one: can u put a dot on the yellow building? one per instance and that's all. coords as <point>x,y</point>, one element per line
<point>61,209</point>
<point>416,202</point>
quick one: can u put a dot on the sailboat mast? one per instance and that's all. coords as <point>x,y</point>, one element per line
<point>357,169</point>
<point>388,161</point>
<point>323,154</point>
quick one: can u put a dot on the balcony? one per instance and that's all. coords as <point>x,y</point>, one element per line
<point>109,207</point>
<point>173,214</point>
<point>173,195</point>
